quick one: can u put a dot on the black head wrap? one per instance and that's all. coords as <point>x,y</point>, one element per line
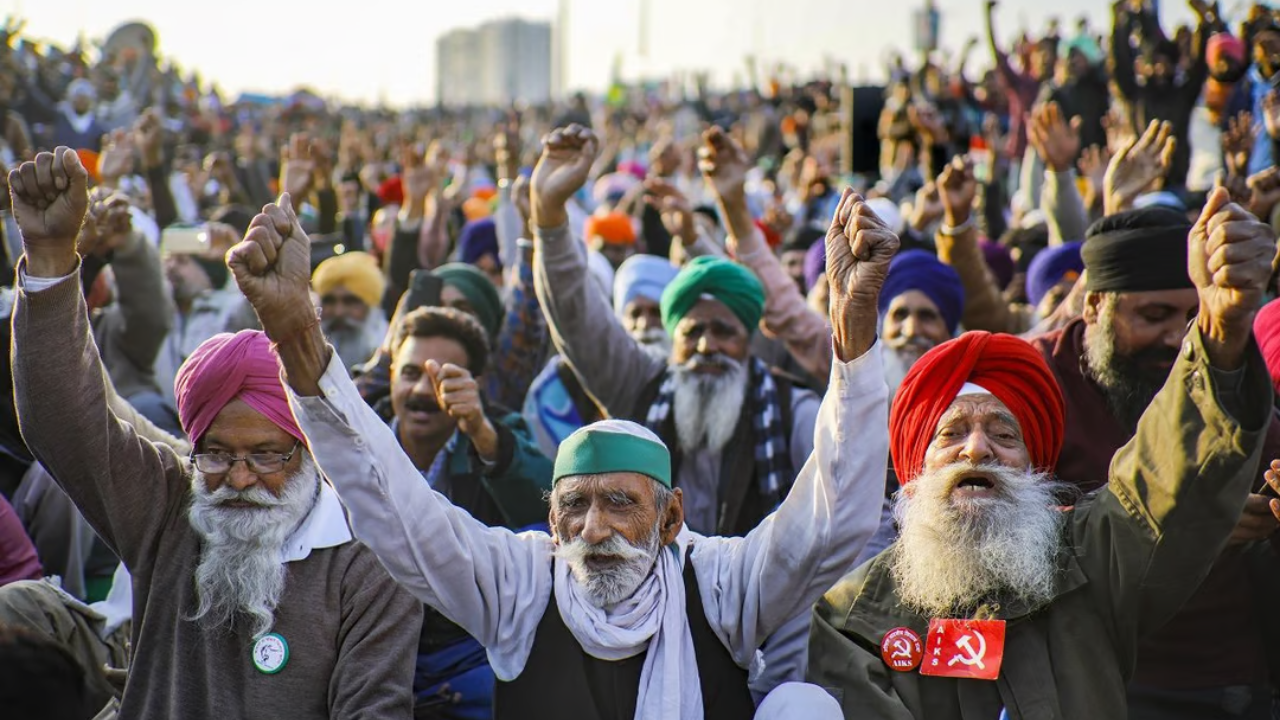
<point>1137,251</point>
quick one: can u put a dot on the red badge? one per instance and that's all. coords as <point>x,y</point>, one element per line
<point>964,649</point>
<point>901,649</point>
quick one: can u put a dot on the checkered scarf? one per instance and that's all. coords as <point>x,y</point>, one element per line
<point>773,461</point>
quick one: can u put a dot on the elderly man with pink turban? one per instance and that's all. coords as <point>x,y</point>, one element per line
<point>251,599</point>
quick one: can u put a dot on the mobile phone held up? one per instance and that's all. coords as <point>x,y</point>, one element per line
<point>185,240</point>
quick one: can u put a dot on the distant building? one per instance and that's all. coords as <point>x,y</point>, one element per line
<point>498,63</point>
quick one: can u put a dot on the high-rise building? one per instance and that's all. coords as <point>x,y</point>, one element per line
<point>498,63</point>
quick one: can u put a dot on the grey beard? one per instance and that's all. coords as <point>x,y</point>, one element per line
<point>707,407</point>
<point>655,342</point>
<point>240,570</point>
<point>1127,388</point>
<point>950,558</point>
<point>612,585</point>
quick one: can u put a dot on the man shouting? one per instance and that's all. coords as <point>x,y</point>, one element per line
<point>621,611</point>
<point>250,598</point>
<point>994,600</point>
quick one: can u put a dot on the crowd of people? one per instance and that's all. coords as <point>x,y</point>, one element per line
<point>650,405</point>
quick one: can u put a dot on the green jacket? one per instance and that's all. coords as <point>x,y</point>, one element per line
<point>1132,555</point>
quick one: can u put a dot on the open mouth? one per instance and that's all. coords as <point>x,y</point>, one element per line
<point>603,562</point>
<point>975,485</point>
<point>241,505</point>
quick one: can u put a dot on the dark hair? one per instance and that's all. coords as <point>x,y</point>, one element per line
<point>429,322</point>
<point>237,216</point>
<point>40,678</point>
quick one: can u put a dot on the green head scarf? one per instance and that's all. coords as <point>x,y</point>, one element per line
<point>726,281</point>
<point>479,291</point>
<point>611,446</point>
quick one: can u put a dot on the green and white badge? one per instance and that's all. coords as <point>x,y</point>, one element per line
<point>270,653</point>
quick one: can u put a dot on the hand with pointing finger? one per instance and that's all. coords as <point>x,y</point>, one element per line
<point>859,248</point>
<point>458,395</point>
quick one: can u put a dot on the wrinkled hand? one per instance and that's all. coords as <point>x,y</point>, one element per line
<point>116,159</point>
<point>859,248</point>
<point>1139,166</point>
<point>1257,522</point>
<point>1229,256</point>
<point>674,207</point>
<point>1237,144</point>
<point>272,267</point>
<point>297,166</point>
<point>50,197</point>
<point>148,137</point>
<point>1271,113</point>
<point>1272,476</point>
<point>1055,140</point>
<point>458,395</point>
<point>958,188</point>
<point>567,156</point>
<point>724,164</point>
<point>1264,192</point>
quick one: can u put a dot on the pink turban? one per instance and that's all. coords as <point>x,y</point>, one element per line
<point>226,367</point>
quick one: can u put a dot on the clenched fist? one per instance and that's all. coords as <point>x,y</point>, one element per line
<point>458,395</point>
<point>859,248</point>
<point>1229,257</point>
<point>272,266</point>
<point>567,155</point>
<point>50,196</point>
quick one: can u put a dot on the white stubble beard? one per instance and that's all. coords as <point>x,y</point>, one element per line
<point>951,556</point>
<point>240,571</point>
<point>707,407</point>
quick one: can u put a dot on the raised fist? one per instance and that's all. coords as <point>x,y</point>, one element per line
<point>957,187</point>
<point>50,196</point>
<point>297,166</point>
<point>724,164</point>
<point>859,248</point>
<point>272,266</point>
<point>1229,256</point>
<point>567,156</point>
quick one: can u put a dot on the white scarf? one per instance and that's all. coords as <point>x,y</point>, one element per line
<point>79,123</point>
<point>653,617</point>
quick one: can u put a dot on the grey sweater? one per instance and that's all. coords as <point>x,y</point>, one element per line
<point>352,632</point>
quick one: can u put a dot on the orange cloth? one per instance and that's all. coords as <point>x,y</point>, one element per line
<point>89,159</point>
<point>614,229</point>
<point>476,209</point>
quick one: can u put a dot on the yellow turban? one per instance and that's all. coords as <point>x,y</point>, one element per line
<point>357,271</point>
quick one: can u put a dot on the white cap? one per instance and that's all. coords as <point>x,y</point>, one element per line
<point>972,389</point>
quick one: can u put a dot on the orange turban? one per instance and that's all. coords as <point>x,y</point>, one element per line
<point>89,160</point>
<point>614,229</point>
<point>1007,367</point>
<point>474,209</point>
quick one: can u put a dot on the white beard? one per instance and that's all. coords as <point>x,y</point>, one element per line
<point>707,407</point>
<point>240,571</point>
<point>899,356</point>
<point>955,552</point>
<point>611,585</point>
<point>655,342</point>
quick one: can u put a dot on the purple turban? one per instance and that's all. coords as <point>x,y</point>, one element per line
<point>815,263</point>
<point>1050,267</point>
<point>999,260</point>
<point>477,239</point>
<point>227,367</point>
<point>921,270</point>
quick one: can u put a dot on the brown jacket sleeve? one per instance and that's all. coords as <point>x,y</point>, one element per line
<point>126,487</point>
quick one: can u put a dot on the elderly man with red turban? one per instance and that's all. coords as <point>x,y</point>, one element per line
<point>997,602</point>
<point>251,599</point>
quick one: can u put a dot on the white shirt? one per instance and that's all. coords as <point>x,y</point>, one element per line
<point>496,584</point>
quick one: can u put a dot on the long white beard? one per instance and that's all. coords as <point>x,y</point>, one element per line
<point>953,554</point>
<point>610,585</point>
<point>240,571</point>
<point>707,407</point>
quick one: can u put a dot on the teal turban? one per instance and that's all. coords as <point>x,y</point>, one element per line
<point>479,291</point>
<point>611,446</point>
<point>724,280</point>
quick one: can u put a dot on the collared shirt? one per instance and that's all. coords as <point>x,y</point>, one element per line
<point>324,527</point>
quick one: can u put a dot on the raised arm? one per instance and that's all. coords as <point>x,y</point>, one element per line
<point>751,585</point>
<point>1176,490</point>
<point>487,580</point>
<point>612,366</point>
<point>787,315</point>
<point>60,387</point>
<point>521,344</point>
<point>1121,53</point>
<point>1057,142</point>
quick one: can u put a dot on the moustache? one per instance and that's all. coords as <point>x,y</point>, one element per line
<point>1147,357</point>
<point>421,403</point>
<point>254,495</point>
<point>718,361</point>
<point>616,548</point>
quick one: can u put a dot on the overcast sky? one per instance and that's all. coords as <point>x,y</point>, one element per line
<point>384,49</point>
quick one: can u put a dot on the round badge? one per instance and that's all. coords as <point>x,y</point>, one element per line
<point>270,653</point>
<point>901,649</point>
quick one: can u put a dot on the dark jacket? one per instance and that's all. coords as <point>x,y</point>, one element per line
<point>1131,555</point>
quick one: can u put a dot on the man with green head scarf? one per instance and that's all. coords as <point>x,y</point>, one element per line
<point>738,431</point>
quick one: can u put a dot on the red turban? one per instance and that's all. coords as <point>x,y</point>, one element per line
<point>226,367</point>
<point>1009,368</point>
<point>391,191</point>
<point>1266,330</point>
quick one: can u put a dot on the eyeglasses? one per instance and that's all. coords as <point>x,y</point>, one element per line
<point>258,463</point>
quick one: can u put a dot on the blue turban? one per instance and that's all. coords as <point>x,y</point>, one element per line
<point>643,276</point>
<point>1050,266</point>
<point>921,270</point>
<point>477,239</point>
